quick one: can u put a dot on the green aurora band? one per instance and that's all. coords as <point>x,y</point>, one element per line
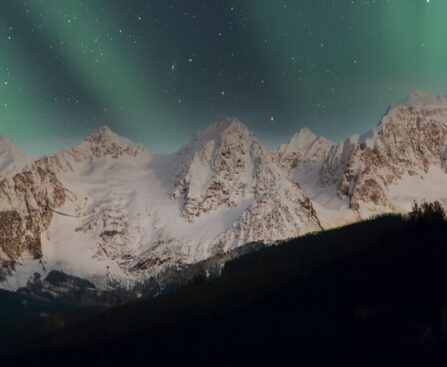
<point>156,71</point>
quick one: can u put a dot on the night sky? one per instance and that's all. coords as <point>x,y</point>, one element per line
<point>157,70</point>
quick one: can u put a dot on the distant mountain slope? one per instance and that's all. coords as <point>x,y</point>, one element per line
<point>140,214</point>
<point>12,158</point>
<point>109,206</point>
<point>400,161</point>
<point>367,294</point>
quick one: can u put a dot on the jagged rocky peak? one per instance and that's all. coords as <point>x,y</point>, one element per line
<point>299,142</point>
<point>104,142</point>
<point>420,107</point>
<point>304,149</point>
<point>28,195</point>
<point>422,98</point>
<point>409,141</point>
<point>106,196</point>
<point>105,135</point>
<point>218,167</point>
<point>27,203</point>
<point>204,143</point>
<point>100,143</point>
<point>336,162</point>
<point>234,169</point>
<point>12,158</point>
<point>216,132</point>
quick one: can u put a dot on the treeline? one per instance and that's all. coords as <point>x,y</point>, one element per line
<point>372,293</point>
<point>428,212</point>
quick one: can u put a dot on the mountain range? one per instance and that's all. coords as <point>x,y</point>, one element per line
<point>110,210</point>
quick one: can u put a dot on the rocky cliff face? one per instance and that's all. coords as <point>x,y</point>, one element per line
<point>100,174</point>
<point>410,140</point>
<point>220,169</point>
<point>108,203</point>
<point>228,166</point>
<point>12,158</point>
<point>278,211</point>
<point>27,202</point>
<point>120,207</point>
<point>102,142</point>
<point>31,192</point>
<point>304,151</point>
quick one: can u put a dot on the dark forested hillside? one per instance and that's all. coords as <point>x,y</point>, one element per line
<point>371,293</point>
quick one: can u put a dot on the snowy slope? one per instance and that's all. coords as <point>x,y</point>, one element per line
<point>232,168</point>
<point>401,160</point>
<point>12,158</point>
<point>138,213</point>
<point>110,203</point>
<point>27,203</point>
<point>308,158</point>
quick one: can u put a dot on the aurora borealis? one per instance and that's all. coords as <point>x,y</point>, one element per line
<point>156,70</point>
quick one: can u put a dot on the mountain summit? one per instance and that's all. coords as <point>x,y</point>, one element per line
<point>422,98</point>
<point>12,158</point>
<point>104,142</point>
<point>108,202</point>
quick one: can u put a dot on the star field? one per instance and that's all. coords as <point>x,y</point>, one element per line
<point>156,70</point>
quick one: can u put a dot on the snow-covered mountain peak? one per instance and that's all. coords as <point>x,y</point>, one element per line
<point>228,123</point>
<point>197,156</point>
<point>301,142</point>
<point>104,133</point>
<point>305,151</point>
<point>422,98</point>
<point>12,158</point>
<point>409,142</point>
<point>420,107</point>
<point>302,138</point>
<point>107,201</point>
<point>100,143</point>
<point>216,157</point>
<point>104,142</point>
<point>215,132</point>
<point>233,170</point>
